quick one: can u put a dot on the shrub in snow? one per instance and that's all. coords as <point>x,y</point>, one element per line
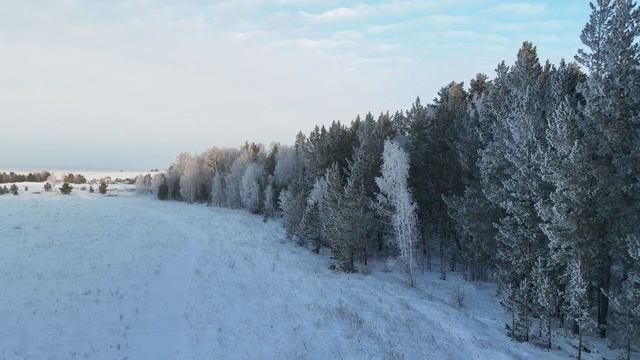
<point>65,189</point>
<point>458,296</point>
<point>103,187</point>
<point>47,186</point>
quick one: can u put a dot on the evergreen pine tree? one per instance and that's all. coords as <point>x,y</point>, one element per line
<point>511,175</point>
<point>611,131</point>
<point>418,118</point>
<point>311,227</point>
<point>627,297</point>
<point>545,298</point>
<point>577,301</point>
<point>472,212</point>
<point>269,206</point>
<point>360,231</point>
<point>522,300</point>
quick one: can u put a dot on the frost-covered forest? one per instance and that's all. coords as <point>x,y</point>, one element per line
<point>529,177</point>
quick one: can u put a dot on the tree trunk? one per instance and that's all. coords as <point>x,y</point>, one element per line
<point>603,300</point>
<point>549,330</point>
<point>579,344</point>
<point>443,260</point>
<point>513,320</point>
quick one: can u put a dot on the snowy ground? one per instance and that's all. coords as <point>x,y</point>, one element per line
<point>88,276</point>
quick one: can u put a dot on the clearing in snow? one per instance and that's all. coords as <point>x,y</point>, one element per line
<point>88,276</point>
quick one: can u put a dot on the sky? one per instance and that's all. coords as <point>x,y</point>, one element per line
<point>128,84</point>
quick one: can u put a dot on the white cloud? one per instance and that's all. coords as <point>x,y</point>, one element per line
<point>438,20</point>
<point>333,15</point>
<point>463,36</point>
<point>519,9</point>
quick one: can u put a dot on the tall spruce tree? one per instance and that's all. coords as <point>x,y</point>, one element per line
<point>577,301</point>
<point>361,230</point>
<point>612,130</point>
<point>419,119</point>
<point>510,158</point>
<point>472,212</point>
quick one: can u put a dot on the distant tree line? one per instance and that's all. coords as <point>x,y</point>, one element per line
<point>41,176</point>
<point>75,179</point>
<point>13,177</point>
<point>531,178</point>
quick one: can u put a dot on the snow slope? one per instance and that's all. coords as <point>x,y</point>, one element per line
<point>130,277</point>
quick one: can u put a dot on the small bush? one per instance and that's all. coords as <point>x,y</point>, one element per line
<point>14,189</point>
<point>66,189</point>
<point>47,186</point>
<point>91,189</point>
<point>458,296</point>
<point>103,187</point>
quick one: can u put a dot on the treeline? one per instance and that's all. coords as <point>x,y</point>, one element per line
<point>532,176</point>
<point>41,176</point>
<point>12,177</point>
<point>74,179</point>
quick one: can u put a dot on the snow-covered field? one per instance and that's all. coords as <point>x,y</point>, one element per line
<point>88,276</point>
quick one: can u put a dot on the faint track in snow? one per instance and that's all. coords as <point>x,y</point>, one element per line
<point>163,335</point>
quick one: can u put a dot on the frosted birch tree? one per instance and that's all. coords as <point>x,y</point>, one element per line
<point>250,186</point>
<point>157,180</point>
<point>396,202</point>
<point>189,179</point>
